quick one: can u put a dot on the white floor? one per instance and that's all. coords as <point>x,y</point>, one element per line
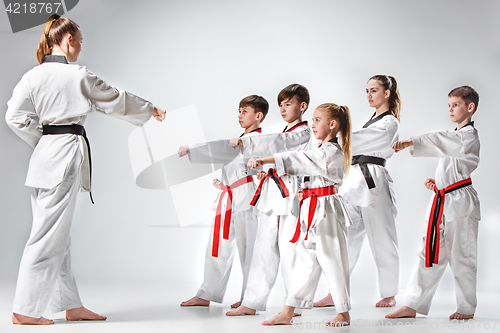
<point>153,306</point>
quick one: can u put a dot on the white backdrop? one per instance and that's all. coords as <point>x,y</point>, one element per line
<point>212,54</point>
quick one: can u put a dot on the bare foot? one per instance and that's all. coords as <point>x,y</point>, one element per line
<point>235,305</point>
<point>279,319</point>
<point>386,302</point>
<point>196,301</point>
<point>18,319</point>
<point>402,312</point>
<point>457,315</point>
<point>241,311</point>
<point>342,319</point>
<point>325,302</point>
<point>82,314</point>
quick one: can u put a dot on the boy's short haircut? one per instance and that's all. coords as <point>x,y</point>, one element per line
<point>467,93</point>
<point>301,93</point>
<point>258,103</point>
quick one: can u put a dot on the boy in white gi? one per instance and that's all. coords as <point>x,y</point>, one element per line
<point>451,233</point>
<point>275,200</point>
<point>321,226</point>
<point>47,110</point>
<point>239,222</point>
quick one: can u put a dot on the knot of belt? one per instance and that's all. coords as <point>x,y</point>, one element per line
<point>433,234</point>
<point>270,174</point>
<point>363,161</point>
<point>71,129</point>
<point>312,193</point>
<point>227,217</point>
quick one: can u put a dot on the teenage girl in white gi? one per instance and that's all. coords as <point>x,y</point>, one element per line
<point>322,243</point>
<point>47,110</point>
<point>368,189</point>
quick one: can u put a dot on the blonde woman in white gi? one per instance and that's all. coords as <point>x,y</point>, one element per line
<point>450,234</point>
<point>320,229</point>
<point>47,110</point>
<point>368,189</point>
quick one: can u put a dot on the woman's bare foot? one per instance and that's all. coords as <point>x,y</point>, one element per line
<point>457,315</point>
<point>325,302</point>
<point>18,319</point>
<point>386,302</point>
<point>342,319</point>
<point>280,319</point>
<point>82,314</point>
<point>241,311</point>
<point>402,312</point>
<point>196,301</point>
<point>235,305</point>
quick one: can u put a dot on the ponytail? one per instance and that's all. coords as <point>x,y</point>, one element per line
<point>54,30</point>
<point>390,83</point>
<point>343,117</point>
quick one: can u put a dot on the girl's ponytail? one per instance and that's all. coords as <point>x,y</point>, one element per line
<point>54,30</point>
<point>390,83</point>
<point>343,117</point>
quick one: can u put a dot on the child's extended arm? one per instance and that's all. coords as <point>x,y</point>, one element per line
<point>400,145</point>
<point>257,162</point>
<point>266,145</point>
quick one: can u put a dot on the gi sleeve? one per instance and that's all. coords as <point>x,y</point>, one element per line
<point>21,116</point>
<point>439,144</point>
<point>213,152</point>
<point>375,138</point>
<point>302,162</point>
<point>269,144</point>
<point>117,103</point>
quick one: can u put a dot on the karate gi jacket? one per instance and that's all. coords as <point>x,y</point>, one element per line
<point>298,137</point>
<point>458,153</point>
<point>58,93</point>
<point>375,139</point>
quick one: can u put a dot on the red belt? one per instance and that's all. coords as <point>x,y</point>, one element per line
<point>227,217</point>
<point>432,242</point>
<point>270,174</point>
<point>312,193</point>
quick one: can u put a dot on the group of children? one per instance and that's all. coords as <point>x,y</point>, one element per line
<point>310,212</point>
<point>318,197</point>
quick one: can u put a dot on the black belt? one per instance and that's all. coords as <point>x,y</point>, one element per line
<point>71,129</point>
<point>363,162</point>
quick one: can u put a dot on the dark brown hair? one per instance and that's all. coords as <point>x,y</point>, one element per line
<point>258,103</point>
<point>55,29</point>
<point>467,93</point>
<point>301,93</point>
<point>389,83</point>
<point>343,117</point>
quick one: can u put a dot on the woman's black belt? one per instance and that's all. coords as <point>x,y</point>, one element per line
<point>71,129</point>
<point>363,161</point>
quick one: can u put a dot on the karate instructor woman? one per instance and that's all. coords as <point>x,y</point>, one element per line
<point>47,110</point>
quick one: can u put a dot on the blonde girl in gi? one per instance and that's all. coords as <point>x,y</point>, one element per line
<point>321,226</point>
<point>368,189</point>
<point>47,110</point>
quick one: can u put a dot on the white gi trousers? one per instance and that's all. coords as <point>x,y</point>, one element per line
<point>45,279</point>
<point>272,246</point>
<point>457,247</point>
<point>377,222</point>
<point>325,250</point>
<point>243,231</point>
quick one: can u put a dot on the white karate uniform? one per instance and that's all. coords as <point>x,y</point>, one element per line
<point>373,211</point>
<point>459,157</point>
<point>58,93</point>
<point>276,218</point>
<point>243,227</point>
<point>325,249</point>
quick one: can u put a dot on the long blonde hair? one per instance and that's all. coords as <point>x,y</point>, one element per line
<point>55,29</point>
<point>343,117</point>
